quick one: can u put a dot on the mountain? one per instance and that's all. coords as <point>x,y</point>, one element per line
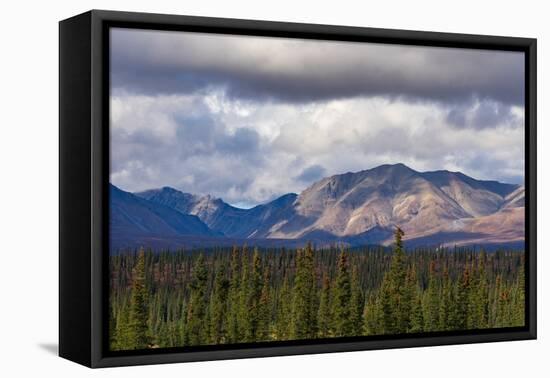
<point>371,203</point>
<point>515,199</point>
<point>222,217</point>
<point>438,207</point>
<point>134,221</point>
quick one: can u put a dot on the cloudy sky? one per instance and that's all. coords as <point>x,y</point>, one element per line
<point>250,118</point>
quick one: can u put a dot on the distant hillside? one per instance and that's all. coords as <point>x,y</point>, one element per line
<point>220,216</point>
<point>132,219</point>
<point>438,207</point>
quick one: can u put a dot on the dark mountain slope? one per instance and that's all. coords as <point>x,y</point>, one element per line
<point>132,217</point>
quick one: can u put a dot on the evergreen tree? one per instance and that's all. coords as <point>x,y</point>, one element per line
<point>356,303</point>
<point>243,319</point>
<point>122,338</point>
<point>253,293</point>
<point>206,334</point>
<point>324,318</point>
<point>112,327</point>
<point>233,331</point>
<point>478,310</point>
<point>161,339</point>
<point>218,305</point>
<point>182,298</point>
<point>417,316</point>
<point>197,327</point>
<point>343,323</point>
<point>182,323</point>
<point>493,301</point>
<point>446,310</point>
<point>431,305</point>
<point>387,306</point>
<point>372,316</point>
<point>264,320</point>
<point>503,318</point>
<point>407,302</point>
<point>462,301</point>
<point>393,288</point>
<point>138,337</point>
<point>304,309</point>
<point>519,304</point>
<point>284,312</point>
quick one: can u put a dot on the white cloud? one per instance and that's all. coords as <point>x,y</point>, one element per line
<point>249,152</point>
<point>250,118</point>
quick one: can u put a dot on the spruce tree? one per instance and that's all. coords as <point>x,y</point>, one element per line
<point>393,289</point>
<point>446,310</point>
<point>304,309</point>
<point>159,295</point>
<point>503,318</point>
<point>112,327</point>
<point>243,318</point>
<point>206,336</point>
<point>417,316</point>
<point>122,328</point>
<point>478,310</point>
<point>264,316</point>
<point>387,307</point>
<point>138,334</point>
<point>463,300</point>
<point>408,300</point>
<point>519,304</point>
<point>343,323</point>
<point>431,305</point>
<point>253,298</point>
<point>283,312</point>
<point>182,324</point>
<point>197,327</point>
<point>356,303</point>
<point>324,317</point>
<point>493,301</point>
<point>233,330</point>
<point>372,316</point>
<point>218,305</point>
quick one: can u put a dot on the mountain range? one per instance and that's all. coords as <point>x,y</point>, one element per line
<point>433,208</point>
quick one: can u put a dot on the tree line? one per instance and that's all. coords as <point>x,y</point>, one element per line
<point>243,295</point>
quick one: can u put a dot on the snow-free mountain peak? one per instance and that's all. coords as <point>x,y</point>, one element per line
<point>365,206</point>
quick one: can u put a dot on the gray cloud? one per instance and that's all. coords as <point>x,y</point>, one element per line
<point>248,119</point>
<point>312,173</point>
<point>483,114</point>
<point>203,146</point>
<point>180,144</point>
<point>262,68</point>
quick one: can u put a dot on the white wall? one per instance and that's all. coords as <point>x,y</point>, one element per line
<point>28,192</point>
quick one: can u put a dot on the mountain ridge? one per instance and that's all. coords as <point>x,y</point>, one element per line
<point>133,218</point>
<point>364,206</point>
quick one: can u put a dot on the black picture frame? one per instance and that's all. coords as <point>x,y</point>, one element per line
<point>84,170</point>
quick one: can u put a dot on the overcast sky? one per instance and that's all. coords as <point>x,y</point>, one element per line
<point>250,118</point>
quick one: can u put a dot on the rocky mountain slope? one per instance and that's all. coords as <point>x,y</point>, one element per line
<point>438,207</point>
<point>222,217</point>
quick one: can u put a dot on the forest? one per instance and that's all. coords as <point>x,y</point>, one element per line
<point>245,294</point>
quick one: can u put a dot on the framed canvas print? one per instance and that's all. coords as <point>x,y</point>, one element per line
<point>234,188</point>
